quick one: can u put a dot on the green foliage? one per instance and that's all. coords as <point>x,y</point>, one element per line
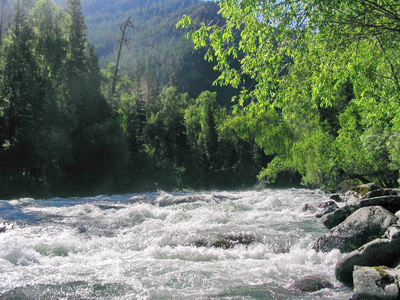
<point>326,94</point>
<point>57,129</point>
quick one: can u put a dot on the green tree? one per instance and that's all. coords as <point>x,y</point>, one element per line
<point>301,55</point>
<point>22,103</point>
<point>165,137</point>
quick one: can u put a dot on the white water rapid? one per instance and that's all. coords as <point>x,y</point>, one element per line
<point>221,245</point>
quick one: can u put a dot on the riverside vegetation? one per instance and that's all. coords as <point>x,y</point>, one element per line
<point>315,88</point>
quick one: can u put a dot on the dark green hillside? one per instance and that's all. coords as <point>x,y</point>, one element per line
<point>155,43</point>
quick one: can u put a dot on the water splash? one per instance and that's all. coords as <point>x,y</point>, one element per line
<point>222,245</point>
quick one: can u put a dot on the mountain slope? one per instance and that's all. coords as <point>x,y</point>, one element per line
<point>154,43</point>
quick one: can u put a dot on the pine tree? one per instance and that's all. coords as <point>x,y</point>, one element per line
<point>22,104</point>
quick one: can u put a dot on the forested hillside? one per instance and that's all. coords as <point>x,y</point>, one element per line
<point>153,42</point>
<point>70,127</point>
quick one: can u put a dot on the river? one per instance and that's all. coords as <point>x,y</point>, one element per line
<point>189,245</point>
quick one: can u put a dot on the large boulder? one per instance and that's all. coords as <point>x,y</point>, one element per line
<point>387,198</point>
<point>390,202</point>
<point>359,228</point>
<point>382,192</point>
<point>379,252</point>
<point>336,217</point>
<point>375,283</point>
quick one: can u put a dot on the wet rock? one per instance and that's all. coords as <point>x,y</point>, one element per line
<point>336,217</point>
<point>375,283</point>
<point>309,284</point>
<point>336,197</point>
<point>5,226</point>
<point>326,208</point>
<point>227,242</point>
<point>362,226</point>
<point>379,252</point>
<point>320,209</point>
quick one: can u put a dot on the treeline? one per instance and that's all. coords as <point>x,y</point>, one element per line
<point>61,133</point>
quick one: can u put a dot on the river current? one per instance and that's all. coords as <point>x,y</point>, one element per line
<point>189,245</point>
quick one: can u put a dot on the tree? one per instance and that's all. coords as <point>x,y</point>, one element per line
<point>122,41</point>
<point>22,103</point>
<point>301,54</point>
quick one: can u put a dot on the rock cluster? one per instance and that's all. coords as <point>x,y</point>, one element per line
<point>367,228</point>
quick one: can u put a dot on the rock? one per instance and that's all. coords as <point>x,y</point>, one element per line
<point>365,188</point>
<point>309,284</point>
<point>338,216</point>
<point>382,192</point>
<point>391,203</point>
<point>362,226</point>
<point>227,242</point>
<point>326,208</point>
<point>374,283</point>
<point>336,197</point>
<point>5,226</point>
<point>382,251</point>
<point>320,209</point>
<point>387,198</point>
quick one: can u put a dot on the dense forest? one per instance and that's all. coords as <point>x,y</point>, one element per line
<point>63,133</point>
<point>306,88</point>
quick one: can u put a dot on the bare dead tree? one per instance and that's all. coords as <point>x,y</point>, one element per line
<point>123,40</point>
<point>1,20</point>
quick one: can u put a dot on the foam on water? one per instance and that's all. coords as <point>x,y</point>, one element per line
<point>223,245</point>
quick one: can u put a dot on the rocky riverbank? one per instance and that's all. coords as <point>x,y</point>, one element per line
<point>367,229</point>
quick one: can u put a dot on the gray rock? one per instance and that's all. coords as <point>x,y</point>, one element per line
<point>326,208</point>
<point>391,203</point>
<point>387,198</point>
<point>309,284</point>
<point>336,197</point>
<point>379,252</point>
<point>362,226</point>
<point>226,242</point>
<point>382,192</point>
<point>375,283</point>
<point>320,209</point>
<point>336,217</point>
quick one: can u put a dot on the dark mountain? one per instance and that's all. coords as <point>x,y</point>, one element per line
<point>154,42</point>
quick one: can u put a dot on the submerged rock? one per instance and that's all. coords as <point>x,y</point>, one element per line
<point>320,209</point>
<point>309,284</point>
<point>379,252</point>
<point>359,228</point>
<point>227,242</point>
<point>326,208</point>
<point>5,226</point>
<point>375,283</point>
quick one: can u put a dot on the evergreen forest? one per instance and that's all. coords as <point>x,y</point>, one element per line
<point>71,127</point>
<point>121,96</point>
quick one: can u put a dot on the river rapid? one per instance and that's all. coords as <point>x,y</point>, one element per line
<point>192,245</point>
